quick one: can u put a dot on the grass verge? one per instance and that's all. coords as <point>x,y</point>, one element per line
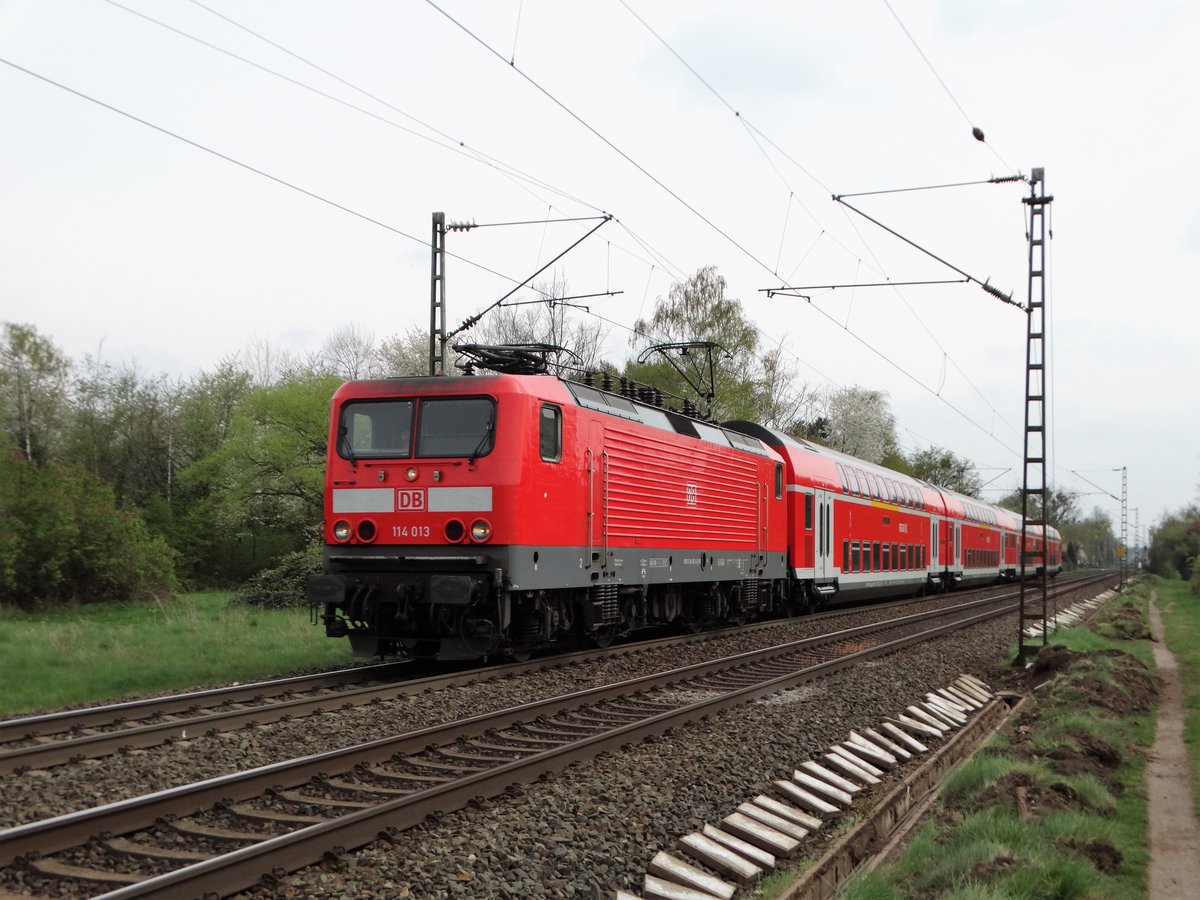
<point>67,657</point>
<point>1054,806</point>
<point>1180,609</point>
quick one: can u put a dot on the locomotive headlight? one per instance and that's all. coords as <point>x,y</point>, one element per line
<point>411,473</point>
<point>342,531</point>
<point>481,530</point>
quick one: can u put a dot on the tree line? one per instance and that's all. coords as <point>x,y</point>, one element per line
<point>119,485</point>
<point>1174,550</point>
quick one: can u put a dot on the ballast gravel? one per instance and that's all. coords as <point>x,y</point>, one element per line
<point>594,828</point>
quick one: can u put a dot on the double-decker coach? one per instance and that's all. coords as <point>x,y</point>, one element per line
<point>856,529</point>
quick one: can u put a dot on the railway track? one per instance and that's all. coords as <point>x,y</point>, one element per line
<point>42,741</point>
<point>223,834</point>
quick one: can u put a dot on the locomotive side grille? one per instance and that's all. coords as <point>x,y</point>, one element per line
<point>650,497</point>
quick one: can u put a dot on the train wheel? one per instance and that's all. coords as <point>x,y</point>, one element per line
<point>802,602</point>
<point>603,636</point>
<point>520,654</point>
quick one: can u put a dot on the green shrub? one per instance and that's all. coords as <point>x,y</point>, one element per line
<point>283,585</point>
<point>66,540</point>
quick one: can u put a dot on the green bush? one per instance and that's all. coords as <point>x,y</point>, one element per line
<point>66,540</point>
<point>283,585</point>
<point>1175,544</point>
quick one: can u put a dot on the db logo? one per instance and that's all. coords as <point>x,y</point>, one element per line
<point>410,500</point>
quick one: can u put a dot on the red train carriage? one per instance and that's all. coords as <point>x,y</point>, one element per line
<point>490,515</point>
<point>855,529</point>
<point>861,530</point>
<point>979,539</point>
<point>1034,557</point>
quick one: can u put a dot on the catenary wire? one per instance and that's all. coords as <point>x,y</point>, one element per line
<point>945,87</point>
<point>353,212</point>
<point>249,168</point>
<point>450,143</point>
<point>753,130</point>
<point>504,168</point>
<point>519,177</point>
<point>546,93</point>
<point>574,115</point>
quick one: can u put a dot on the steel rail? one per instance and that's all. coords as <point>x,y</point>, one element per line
<point>109,713</point>
<point>200,722</point>
<point>71,829</point>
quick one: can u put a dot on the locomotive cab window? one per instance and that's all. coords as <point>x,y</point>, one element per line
<point>380,428</point>
<point>550,433</point>
<point>458,426</point>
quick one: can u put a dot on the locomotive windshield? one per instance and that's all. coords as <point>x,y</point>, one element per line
<point>453,426</point>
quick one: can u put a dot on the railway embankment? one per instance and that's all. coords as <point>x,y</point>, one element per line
<point>1060,801</point>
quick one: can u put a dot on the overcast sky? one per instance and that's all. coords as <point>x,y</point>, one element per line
<point>717,138</point>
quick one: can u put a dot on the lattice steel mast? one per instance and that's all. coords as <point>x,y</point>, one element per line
<point>437,297</point>
<point>1124,524</point>
<point>1034,482</point>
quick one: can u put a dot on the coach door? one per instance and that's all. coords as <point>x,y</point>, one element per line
<point>822,566</point>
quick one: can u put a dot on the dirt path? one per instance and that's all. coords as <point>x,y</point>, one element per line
<point>1174,834</point>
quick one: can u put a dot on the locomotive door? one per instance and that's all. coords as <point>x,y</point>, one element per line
<point>822,568</point>
<point>596,465</point>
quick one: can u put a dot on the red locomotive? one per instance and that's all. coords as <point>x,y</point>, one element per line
<point>493,515</point>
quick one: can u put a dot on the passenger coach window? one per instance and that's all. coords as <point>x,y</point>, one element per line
<point>380,428</point>
<point>779,488</point>
<point>550,434</point>
<point>456,427</point>
<point>808,512</point>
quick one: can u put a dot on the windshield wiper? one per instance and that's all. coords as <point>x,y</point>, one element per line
<point>487,434</point>
<point>344,441</point>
